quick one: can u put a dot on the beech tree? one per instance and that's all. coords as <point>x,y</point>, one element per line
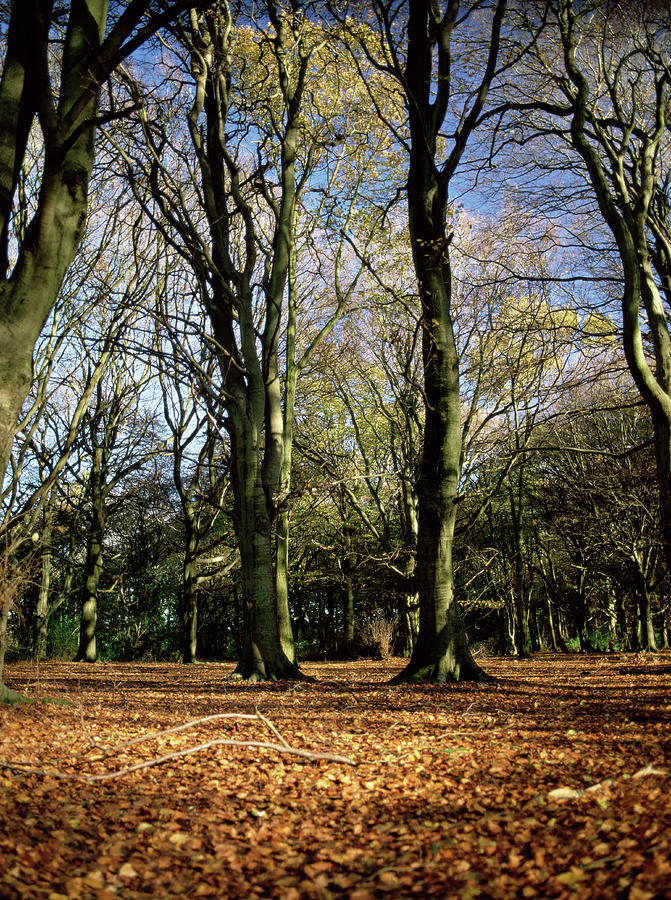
<point>620,128</point>
<point>235,217</point>
<point>593,101</point>
<point>416,47</point>
<point>37,248</point>
<point>243,295</point>
<point>189,385</point>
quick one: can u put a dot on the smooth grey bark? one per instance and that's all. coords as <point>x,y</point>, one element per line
<point>644,628</point>
<point>247,354</point>
<point>42,606</point>
<point>47,245</point>
<point>441,653</point>
<point>665,634</point>
<point>93,564</point>
<point>189,636</point>
<point>623,156</point>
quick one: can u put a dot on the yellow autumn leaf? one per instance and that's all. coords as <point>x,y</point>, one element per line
<point>179,838</point>
<point>95,879</point>
<point>127,871</point>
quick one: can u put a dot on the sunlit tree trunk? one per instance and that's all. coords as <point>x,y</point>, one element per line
<point>42,606</point>
<point>551,623</point>
<point>612,620</point>
<point>441,652</point>
<point>29,291</point>
<point>645,632</point>
<point>189,635</point>
<point>622,159</point>
<point>665,632</point>
<point>282,524</point>
<point>262,656</point>
<point>93,566</point>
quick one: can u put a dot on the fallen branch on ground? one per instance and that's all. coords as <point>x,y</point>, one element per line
<point>574,794</point>
<point>283,747</point>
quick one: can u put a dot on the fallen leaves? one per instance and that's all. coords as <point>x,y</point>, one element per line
<point>541,784</point>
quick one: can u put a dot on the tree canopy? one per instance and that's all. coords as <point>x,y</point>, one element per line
<point>334,328</point>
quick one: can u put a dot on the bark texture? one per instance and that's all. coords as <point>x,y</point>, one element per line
<point>441,652</point>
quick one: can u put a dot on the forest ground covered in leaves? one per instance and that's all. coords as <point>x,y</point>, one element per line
<point>551,781</point>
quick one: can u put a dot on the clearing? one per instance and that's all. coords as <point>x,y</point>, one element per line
<point>552,781</point>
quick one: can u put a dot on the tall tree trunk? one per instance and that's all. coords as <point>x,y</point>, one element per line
<point>42,607</point>
<point>408,614</point>
<point>521,599</point>
<point>522,631</point>
<point>51,238</point>
<point>665,632</point>
<point>441,653</point>
<point>93,567</point>
<point>87,650</point>
<point>262,657</point>
<point>612,620</point>
<point>621,613</point>
<point>282,526</point>
<point>189,635</point>
<point>282,557</point>
<point>551,624</point>
<point>645,632</point>
<point>534,630</point>
<point>409,600</point>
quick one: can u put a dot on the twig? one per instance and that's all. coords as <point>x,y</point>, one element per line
<point>173,730</point>
<point>576,793</point>
<point>273,729</point>
<point>282,747</point>
<point>178,754</point>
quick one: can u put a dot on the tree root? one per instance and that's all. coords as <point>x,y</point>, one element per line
<point>7,695</point>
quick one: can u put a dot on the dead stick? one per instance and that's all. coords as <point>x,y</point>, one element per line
<point>174,729</point>
<point>273,729</point>
<point>179,754</point>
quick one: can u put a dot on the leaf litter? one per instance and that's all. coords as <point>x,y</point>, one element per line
<point>552,781</point>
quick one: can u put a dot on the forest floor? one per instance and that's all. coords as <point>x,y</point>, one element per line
<point>552,781</point>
